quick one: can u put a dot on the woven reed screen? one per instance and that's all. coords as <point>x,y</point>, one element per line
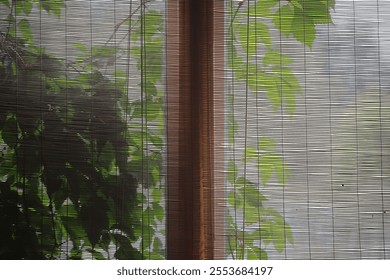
<point>167,129</point>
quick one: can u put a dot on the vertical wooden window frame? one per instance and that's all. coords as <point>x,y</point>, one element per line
<point>195,110</point>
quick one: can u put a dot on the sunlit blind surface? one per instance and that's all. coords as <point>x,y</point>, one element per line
<point>308,129</point>
<point>82,129</point>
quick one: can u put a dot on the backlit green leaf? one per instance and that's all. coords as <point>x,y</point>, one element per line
<point>283,19</point>
<point>251,153</point>
<point>266,166</point>
<point>266,143</point>
<point>262,8</point>
<point>263,32</point>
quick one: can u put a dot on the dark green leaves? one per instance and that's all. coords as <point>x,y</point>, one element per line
<point>9,132</point>
<point>94,218</point>
<point>75,147</point>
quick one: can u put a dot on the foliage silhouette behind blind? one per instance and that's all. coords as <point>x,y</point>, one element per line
<point>82,130</point>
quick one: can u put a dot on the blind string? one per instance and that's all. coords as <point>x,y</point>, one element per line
<point>356,128</point>
<point>41,115</point>
<point>17,176</point>
<point>380,127</point>
<point>258,137</point>
<point>330,134</point>
<point>66,124</point>
<point>245,127</point>
<point>282,131</point>
<point>92,113</point>
<point>306,131</point>
<point>232,102</point>
<point>145,97</point>
<point>117,118</point>
<point>143,119</point>
<point>128,34</point>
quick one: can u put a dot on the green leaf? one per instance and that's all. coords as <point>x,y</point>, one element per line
<point>282,173</point>
<point>147,237</point>
<point>278,238</point>
<point>318,11</point>
<point>153,23</point>
<point>96,254</point>
<point>251,213</point>
<point>153,109</point>
<point>156,194</point>
<point>304,29</point>
<point>248,37</point>
<point>329,3</point>
<point>256,253</point>
<point>9,132</point>
<point>251,153</point>
<point>150,89</point>
<point>288,95</point>
<point>266,166</point>
<point>103,51</point>
<point>54,6</point>
<point>106,156</point>
<point>28,5</point>
<point>272,90</point>
<point>94,218</point>
<point>262,8</point>
<point>235,200</point>
<point>19,7</point>
<point>232,245</point>
<point>266,143</point>
<point>157,245</point>
<point>253,196</point>
<point>232,172</point>
<point>24,27</point>
<point>263,32</point>
<point>283,19</point>
<point>243,183</point>
<point>158,211</point>
<point>289,233</point>
<point>288,87</point>
<point>297,3</point>
<point>5,2</point>
<point>232,129</point>
<point>274,57</point>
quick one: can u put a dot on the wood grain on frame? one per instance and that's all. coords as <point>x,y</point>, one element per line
<point>195,129</point>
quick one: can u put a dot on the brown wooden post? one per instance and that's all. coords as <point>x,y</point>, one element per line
<point>195,129</point>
